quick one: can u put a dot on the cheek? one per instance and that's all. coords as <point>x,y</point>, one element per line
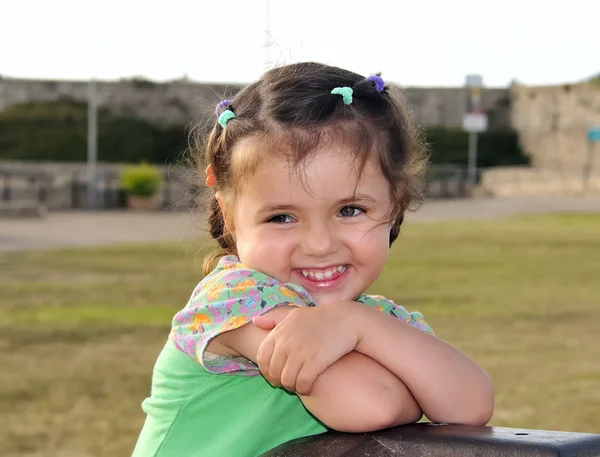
<point>263,249</point>
<point>375,252</point>
<point>374,240</point>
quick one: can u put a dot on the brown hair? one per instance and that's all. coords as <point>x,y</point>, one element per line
<point>290,111</point>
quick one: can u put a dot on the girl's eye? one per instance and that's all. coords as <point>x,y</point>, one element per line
<point>281,219</point>
<point>351,211</point>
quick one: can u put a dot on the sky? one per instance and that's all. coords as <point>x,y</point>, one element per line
<point>413,43</point>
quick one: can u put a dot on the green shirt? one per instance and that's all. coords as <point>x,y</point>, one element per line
<point>194,413</point>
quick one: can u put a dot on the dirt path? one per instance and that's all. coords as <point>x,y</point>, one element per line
<point>102,228</point>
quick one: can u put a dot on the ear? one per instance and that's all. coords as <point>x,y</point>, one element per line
<point>227,215</point>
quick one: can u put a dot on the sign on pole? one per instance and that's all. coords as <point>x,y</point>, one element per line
<point>475,122</point>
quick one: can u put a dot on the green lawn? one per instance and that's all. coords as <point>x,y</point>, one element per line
<point>80,329</point>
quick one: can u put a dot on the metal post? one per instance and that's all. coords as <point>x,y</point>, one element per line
<point>588,166</point>
<point>472,170</point>
<point>92,144</point>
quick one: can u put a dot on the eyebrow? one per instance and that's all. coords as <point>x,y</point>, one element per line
<point>357,198</point>
<point>352,199</point>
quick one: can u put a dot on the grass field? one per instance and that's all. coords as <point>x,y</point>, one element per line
<point>80,329</point>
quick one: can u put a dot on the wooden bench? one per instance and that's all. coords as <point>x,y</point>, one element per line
<point>442,440</point>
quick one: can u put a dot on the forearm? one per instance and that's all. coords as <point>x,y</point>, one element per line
<point>356,394</point>
<point>447,385</point>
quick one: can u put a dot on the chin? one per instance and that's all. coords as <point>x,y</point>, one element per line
<point>327,299</point>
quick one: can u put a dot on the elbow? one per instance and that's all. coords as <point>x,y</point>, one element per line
<point>480,409</point>
<point>484,411</point>
<point>478,417</point>
<point>474,407</point>
<point>395,417</point>
<point>352,420</point>
<point>375,416</point>
<point>480,405</point>
<point>399,412</point>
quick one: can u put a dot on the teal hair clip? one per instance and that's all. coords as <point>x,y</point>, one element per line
<point>225,117</point>
<point>345,92</point>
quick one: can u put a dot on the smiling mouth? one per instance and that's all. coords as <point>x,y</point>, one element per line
<point>323,275</point>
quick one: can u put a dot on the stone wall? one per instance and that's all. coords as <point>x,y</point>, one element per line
<point>175,102</point>
<point>65,184</point>
<point>183,101</point>
<point>552,123</point>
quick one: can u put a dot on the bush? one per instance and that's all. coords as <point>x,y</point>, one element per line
<point>494,147</point>
<point>57,131</point>
<point>141,181</point>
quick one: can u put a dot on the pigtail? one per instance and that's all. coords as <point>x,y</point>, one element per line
<point>218,230</point>
<point>371,96</point>
<point>216,222</point>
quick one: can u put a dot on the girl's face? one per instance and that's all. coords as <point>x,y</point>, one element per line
<point>325,232</point>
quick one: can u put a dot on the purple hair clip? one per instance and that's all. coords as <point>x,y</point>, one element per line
<point>223,104</point>
<point>225,116</point>
<point>379,83</point>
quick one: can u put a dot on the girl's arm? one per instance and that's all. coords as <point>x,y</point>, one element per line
<point>355,394</point>
<point>447,385</point>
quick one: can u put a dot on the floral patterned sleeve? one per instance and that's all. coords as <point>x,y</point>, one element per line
<point>390,308</point>
<point>225,300</point>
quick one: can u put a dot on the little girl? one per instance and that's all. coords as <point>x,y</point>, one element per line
<point>311,170</point>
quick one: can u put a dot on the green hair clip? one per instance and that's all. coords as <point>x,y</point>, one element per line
<point>225,117</point>
<point>345,92</point>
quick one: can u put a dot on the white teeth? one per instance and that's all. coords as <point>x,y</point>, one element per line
<point>320,275</point>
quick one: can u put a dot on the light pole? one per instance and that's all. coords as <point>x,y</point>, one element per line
<point>92,135</point>
<point>92,143</point>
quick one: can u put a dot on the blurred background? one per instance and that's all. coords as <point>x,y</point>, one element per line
<point>101,241</point>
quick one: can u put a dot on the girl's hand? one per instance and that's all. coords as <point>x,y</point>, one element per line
<point>304,342</point>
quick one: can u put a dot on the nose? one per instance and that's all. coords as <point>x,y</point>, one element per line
<point>319,239</point>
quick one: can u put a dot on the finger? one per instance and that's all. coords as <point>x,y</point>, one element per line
<point>290,371</point>
<point>306,379</point>
<point>264,354</point>
<point>270,320</point>
<point>278,360</point>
